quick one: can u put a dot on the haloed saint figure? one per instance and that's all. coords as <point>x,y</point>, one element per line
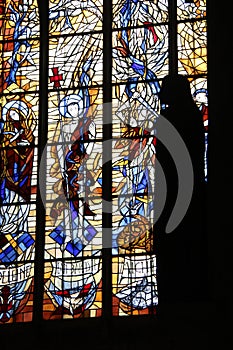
<point>73,149</point>
<point>16,242</point>
<point>74,219</point>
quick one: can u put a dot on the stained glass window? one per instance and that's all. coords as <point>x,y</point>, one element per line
<point>100,85</point>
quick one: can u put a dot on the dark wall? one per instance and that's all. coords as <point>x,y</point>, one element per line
<point>220,55</point>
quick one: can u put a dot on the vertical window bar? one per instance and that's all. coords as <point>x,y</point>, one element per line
<point>107,164</point>
<point>172,37</point>
<point>43,127</point>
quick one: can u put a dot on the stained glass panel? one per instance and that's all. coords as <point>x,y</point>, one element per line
<point>191,9</point>
<point>73,157</point>
<point>127,13</point>
<point>19,74</point>
<point>140,54</point>
<point>75,16</point>
<point>140,60</point>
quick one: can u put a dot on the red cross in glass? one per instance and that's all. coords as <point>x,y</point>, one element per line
<point>56,78</point>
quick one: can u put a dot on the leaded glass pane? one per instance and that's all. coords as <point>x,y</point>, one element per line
<point>19,72</point>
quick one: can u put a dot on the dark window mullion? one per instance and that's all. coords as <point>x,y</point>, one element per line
<point>172,37</point>
<point>43,128</point>
<point>107,165</point>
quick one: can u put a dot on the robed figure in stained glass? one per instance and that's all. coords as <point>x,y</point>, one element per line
<point>16,169</point>
<point>17,155</point>
<point>74,230</point>
<point>74,219</point>
<point>16,166</point>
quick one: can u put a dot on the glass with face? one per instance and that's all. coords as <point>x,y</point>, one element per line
<point>14,114</point>
<point>73,109</point>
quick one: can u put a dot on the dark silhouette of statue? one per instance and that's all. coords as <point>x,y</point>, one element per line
<point>182,253</point>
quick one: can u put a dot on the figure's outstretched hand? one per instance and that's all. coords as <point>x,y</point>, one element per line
<point>92,130</point>
<point>16,135</point>
<point>23,143</point>
<point>92,135</point>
